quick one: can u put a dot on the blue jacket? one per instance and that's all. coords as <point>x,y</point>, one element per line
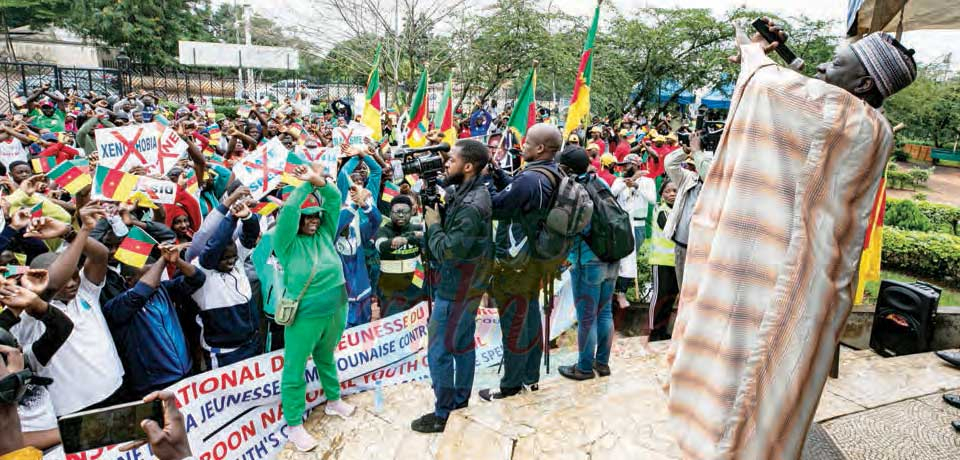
<point>351,237</point>
<point>147,332</point>
<point>228,314</point>
<point>520,204</point>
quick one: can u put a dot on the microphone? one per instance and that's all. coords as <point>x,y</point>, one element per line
<point>791,59</point>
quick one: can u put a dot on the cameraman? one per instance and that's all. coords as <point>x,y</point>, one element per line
<point>462,246</point>
<point>520,206</point>
<point>689,184</point>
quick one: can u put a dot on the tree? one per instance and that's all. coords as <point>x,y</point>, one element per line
<point>501,44</point>
<point>930,108</point>
<point>148,30</point>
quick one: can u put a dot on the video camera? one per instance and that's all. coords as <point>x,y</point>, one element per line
<point>427,163</point>
<point>710,130</point>
<point>14,385</point>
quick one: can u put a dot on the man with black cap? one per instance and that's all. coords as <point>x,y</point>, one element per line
<point>593,281</point>
<point>774,245</point>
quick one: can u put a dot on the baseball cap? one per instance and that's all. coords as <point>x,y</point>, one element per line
<point>310,206</point>
<point>607,159</point>
<point>46,103</point>
<point>575,158</point>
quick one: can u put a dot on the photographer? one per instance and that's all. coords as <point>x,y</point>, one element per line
<point>520,206</point>
<point>688,185</point>
<point>462,247</point>
<point>12,446</point>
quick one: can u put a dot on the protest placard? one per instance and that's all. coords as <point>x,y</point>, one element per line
<point>354,134</point>
<point>171,148</point>
<point>128,146</point>
<point>261,170</point>
<point>157,190</point>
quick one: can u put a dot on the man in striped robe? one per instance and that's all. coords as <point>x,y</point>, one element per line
<point>774,245</point>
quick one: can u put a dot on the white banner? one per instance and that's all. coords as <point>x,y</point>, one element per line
<point>128,146</point>
<point>235,412</point>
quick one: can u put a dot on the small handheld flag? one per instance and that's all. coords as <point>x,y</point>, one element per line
<point>42,165</point>
<point>14,270</point>
<point>36,211</point>
<point>390,191</point>
<point>135,248</point>
<point>419,275</point>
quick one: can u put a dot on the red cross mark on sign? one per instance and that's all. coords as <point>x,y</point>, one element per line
<point>265,167</point>
<point>130,148</point>
<point>166,150</point>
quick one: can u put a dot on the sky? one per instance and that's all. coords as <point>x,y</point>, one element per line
<point>931,46</point>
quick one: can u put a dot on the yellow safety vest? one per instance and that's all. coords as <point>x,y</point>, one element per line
<point>661,248</point>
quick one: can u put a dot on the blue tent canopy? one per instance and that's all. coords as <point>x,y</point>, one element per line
<point>715,99</point>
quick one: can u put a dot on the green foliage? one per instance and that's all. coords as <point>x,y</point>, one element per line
<point>920,196</point>
<point>913,178</point>
<point>226,101</point>
<point>942,217</point>
<point>930,255</point>
<point>229,110</point>
<point>906,214</point>
<point>900,155</point>
<point>930,108</point>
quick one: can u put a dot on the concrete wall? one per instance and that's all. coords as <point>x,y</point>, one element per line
<point>69,55</point>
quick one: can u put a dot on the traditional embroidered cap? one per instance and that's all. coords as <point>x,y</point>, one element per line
<point>887,61</point>
<point>310,206</point>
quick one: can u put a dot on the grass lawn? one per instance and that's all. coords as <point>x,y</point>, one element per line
<point>949,297</point>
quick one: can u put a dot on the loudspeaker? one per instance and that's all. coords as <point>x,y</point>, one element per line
<point>904,318</point>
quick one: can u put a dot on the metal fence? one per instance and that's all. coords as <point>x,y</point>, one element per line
<point>19,79</point>
<point>173,83</point>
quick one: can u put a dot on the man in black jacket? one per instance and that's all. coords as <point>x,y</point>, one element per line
<point>462,247</point>
<point>520,207</point>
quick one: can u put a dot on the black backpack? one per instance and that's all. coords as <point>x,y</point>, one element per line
<point>611,232</point>
<point>548,236</point>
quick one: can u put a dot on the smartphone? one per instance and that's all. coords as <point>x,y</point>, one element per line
<point>108,426</point>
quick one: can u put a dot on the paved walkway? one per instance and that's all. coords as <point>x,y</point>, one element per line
<point>878,409</point>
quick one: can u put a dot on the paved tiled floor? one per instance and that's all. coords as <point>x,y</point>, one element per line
<point>878,409</point>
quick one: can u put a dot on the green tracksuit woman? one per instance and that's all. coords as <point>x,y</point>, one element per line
<point>304,244</point>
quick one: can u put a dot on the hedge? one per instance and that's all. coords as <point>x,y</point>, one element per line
<point>922,254</point>
<point>943,217</point>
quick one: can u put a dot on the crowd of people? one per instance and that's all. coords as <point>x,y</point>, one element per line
<point>231,278</point>
<point>212,293</point>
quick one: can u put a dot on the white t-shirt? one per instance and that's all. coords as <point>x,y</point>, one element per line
<point>12,150</point>
<point>36,410</point>
<point>86,369</point>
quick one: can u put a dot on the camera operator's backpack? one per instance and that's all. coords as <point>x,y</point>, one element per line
<point>567,215</point>
<point>547,236</point>
<point>611,232</point>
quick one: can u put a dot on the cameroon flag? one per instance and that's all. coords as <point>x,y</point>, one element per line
<point>113,184</point>
<point>36,211</point>
<point>14,270</point>
<point>417,124</point>
<point>371,106</point>
<point>580,101</point>
<point>69,176</point>
<point>419,275</point>
<point>135,247</point>
<point>872,244</point>
<point>525,110</point>
<point>43,164</point>
<point>390,191</point>
<point>443,119</point>
<point>293,160</point>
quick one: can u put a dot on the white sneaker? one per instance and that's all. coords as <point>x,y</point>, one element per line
<point>301,439</point>
<point>338,408</point>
